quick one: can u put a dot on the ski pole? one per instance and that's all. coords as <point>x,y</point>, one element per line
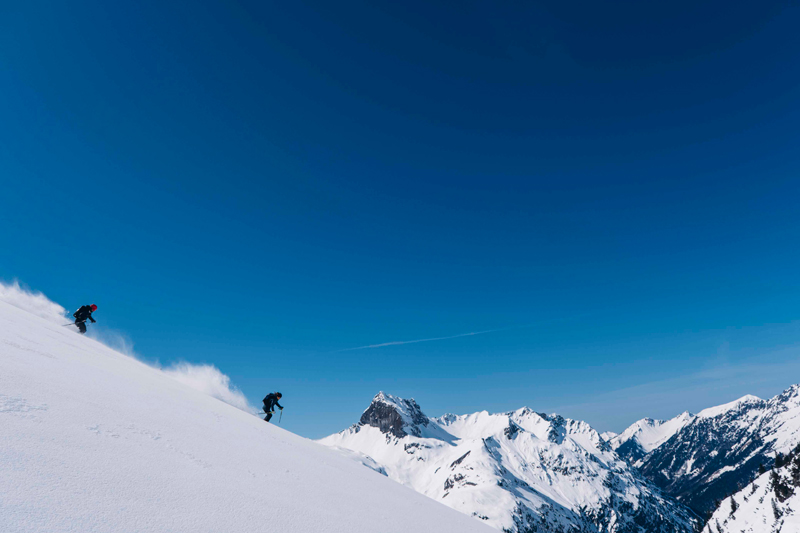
<point>280,417</point>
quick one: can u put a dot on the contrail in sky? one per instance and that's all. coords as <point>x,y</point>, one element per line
<point>395,343</point>
<point>470,334</point>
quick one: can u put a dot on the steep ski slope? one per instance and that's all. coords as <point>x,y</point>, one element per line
<point>92,440</point>
<point>722,447</point>
<point>645,435</point>
<point>520,471</point>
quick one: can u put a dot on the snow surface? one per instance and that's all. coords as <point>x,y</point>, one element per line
<point>650,433</point>
<point>608,435</point>
<point>93,440</point>
<point>758,510</point>
<point>518,471</point>
<point>712,412</point>
<point>722,448</point>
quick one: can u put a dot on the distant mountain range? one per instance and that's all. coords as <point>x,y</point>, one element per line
<point>645,435</point>
<point>720,449</point>
<point>519,471</point>
<point>524,471</point>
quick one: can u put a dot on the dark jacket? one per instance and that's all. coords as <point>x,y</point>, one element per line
<point>84,313</point>
<point>270,401</point>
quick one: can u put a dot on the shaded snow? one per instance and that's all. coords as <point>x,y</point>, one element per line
<point>722,448</point>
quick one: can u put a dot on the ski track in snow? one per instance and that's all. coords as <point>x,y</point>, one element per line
<point>95,441</point>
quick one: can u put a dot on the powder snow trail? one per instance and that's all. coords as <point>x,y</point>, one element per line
<point>93,440</point>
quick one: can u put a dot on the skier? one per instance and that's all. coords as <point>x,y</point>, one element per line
<point>270,402</point>
<point>82,314</point>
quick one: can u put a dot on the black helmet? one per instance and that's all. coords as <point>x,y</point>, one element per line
<point>279,395</point>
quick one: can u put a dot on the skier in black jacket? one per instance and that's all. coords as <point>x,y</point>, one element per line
<point>270,402</point>
<point>82,314</point>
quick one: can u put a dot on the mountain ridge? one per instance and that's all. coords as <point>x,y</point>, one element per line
<point>769,503</point>
<point>721,449</point>
<point>647,434</point>
<point>520,471</point>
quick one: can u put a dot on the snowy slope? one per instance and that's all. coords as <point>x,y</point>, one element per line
<point>645,435</point>
<point>92,440</point>
<point>757,508</point>
<point>520,471</point>
<point>721,449</point>
<point>608,435</point>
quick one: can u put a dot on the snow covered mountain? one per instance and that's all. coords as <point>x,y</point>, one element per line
<point>520,471</point>
<point>645,435</point>
<point>93,440</point>
<point>721,448</point>
<point>769,504</point>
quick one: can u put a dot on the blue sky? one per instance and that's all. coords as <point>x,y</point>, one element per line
<point>612,190</point>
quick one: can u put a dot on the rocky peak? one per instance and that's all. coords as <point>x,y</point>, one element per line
<point>395,416</point>
<point>504,467</point>
<point>788,398</point>
<point>557,429</point>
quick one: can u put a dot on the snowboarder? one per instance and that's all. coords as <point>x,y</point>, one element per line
<point>82,314</point>
<point>270,402</point>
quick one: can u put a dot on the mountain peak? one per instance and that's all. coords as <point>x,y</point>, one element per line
<point>723,448</point>
<point>647,434</point>
<point>394,415</point>
<point>383,397</point>
<point>518,471</point>
<point>712,412</point>
<point>792,394</point>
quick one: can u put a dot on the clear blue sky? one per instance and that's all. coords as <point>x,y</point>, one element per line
<point>261,184</point>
